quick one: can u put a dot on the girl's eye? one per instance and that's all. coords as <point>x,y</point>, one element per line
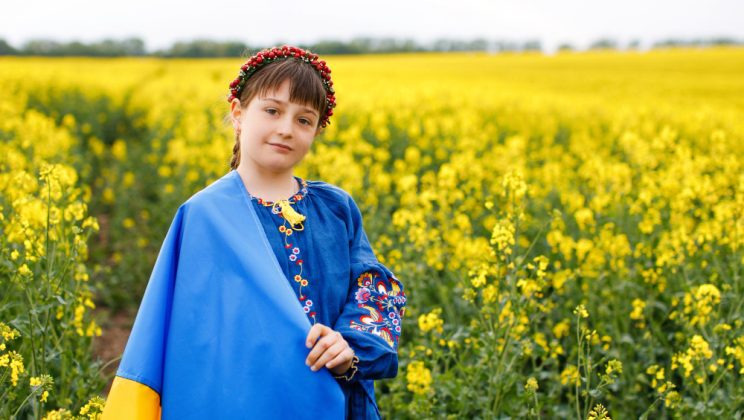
<point>270,110</point>
<point>305,121</point>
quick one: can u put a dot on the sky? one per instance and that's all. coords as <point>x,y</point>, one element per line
<point>264,23</point>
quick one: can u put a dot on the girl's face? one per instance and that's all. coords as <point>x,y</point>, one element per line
<point>275,134</point>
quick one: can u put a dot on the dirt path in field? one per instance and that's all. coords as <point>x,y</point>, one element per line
<point>115,327</point>
<point>115,330</point>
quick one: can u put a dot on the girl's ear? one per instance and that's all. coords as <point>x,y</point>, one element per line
<point>235,111</point>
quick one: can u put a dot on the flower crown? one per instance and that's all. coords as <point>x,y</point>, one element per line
<point>285,52</point>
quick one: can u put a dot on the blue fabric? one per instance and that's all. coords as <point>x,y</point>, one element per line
<point>219,333</point>
<point>221,329</point>
<point>332,253</point>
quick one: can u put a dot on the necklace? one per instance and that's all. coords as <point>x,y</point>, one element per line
<point>284,209</point>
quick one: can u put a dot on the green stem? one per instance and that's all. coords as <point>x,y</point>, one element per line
<point>705,381</point>
<point>720,376</point>
<point>588,371</point>
<point>646,413</point>
<point>578,367</point>
<point>31,329</point>
<point>497,400</point>
<point>22,404</point>
<point>2,381</point>
<point>48,270</point>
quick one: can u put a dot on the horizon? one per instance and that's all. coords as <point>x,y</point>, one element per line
<point>571,22</point>
<point>494,46</point>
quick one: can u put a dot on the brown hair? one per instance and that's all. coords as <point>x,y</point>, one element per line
<point>306,88</point>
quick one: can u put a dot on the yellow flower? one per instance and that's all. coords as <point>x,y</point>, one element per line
<point>23,270</point>
<point>581,311</point>
<point>599,413</point>
<point>531,386</point>
<point>737,351</point>
<point>706,297</point>
<point>561,329</point>
<point>478,277</point>
<point>528,287</point>
<point>61,414</point>
<point>15,362</point>
<point>700,347</point>
<point>614,366</point>
<point>8,332</point>
<point>108,195</point>
<point>699,304</point>
<point>490,293</point>
<point>91,222</point>
<point>721,328</point>
<point>75,211</point>
<point>584,218</point>
<point>542,265</point>
<point>672,399</point>
<point>570,376</point>
<point>514,185</point>
<point>696,354</point>
<point>93,408</point>
<point>555,349</point>
<point>93,330</point>
<point>119,149</point>
<point>431,321</point>
<point>502,236</point>
<point>128,179</point>
<point>418,378</point>
<point>637,313</point>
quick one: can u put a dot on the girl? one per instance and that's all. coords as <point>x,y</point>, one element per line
<point>266,300</point>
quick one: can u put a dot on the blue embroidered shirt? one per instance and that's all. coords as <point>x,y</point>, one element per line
<point>329,263</point>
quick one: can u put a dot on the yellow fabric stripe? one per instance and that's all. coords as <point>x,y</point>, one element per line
<point>129,399</point>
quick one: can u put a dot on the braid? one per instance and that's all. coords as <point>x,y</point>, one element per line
<point>235,161</point>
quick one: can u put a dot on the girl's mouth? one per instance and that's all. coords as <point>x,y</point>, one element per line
<point>280,146</point>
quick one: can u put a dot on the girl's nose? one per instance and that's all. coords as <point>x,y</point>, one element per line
<point>285,126</point>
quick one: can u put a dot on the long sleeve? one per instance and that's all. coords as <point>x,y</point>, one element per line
<point>370,320</point>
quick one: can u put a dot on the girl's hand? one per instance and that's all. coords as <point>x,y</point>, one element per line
<point>331,351</point>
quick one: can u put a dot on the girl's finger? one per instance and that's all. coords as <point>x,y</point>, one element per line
<point>328,355</point>
<point>321,346</point>
<point>344,357</point>
<point>316,331</point>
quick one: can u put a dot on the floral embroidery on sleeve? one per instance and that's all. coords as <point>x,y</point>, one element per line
<point>382,301</point>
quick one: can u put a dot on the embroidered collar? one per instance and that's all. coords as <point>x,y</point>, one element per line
<point>292,199</point>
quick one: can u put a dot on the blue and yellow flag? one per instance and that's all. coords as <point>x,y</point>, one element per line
<point>219,332</point>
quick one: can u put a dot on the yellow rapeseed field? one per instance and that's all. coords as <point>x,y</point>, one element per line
<point>569,228</point>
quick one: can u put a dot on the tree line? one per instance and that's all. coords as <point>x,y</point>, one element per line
<point>210,48</point>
